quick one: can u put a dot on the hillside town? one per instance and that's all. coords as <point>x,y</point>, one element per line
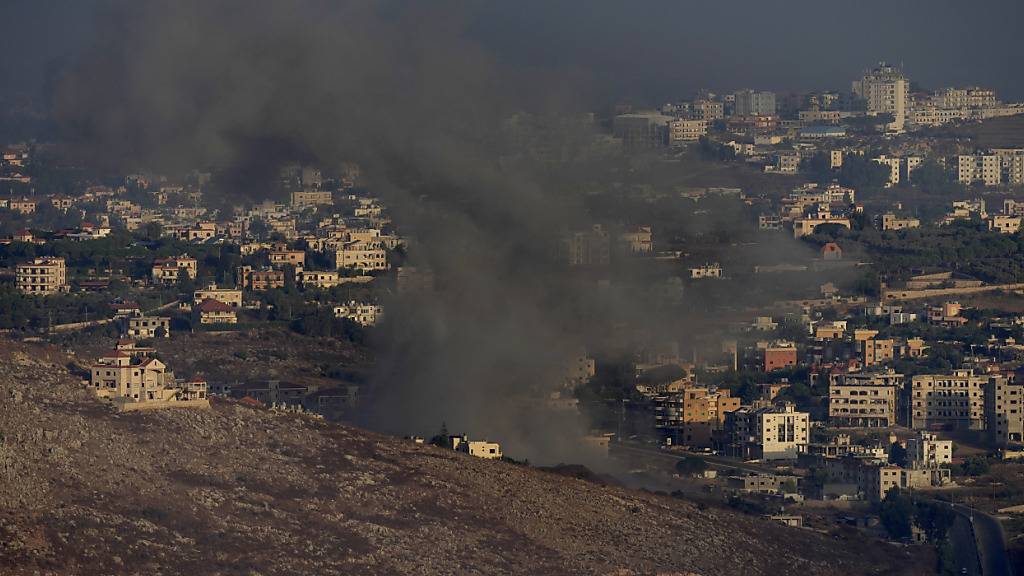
<point>838,327</point>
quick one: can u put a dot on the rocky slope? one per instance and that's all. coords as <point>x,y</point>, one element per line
<point>237,490</point>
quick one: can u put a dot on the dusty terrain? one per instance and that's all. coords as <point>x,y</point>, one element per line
<point>236,490</point>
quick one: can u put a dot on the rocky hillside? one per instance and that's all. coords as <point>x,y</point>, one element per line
<point>237,490</point>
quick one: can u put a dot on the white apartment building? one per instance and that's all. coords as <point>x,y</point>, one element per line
<point>168,270</point>
<point>900,169</point>
<point>360,255</point>
<point>885,90</point>
<point>42,276</point>
<point>773,433</point>
<point>927,451</point>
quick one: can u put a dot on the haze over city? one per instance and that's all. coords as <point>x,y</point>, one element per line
<point>387,287</point>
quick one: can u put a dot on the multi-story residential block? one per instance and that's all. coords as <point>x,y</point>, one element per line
<point>23,205</point>
<point>586,247</point>
<point>362,313</point>
<point>885,90</point>
<point>1004,411</point>
<point>260,280</point>
<point>753,103</point>
<point>683,130</point>
<point>360,255</point>
<point>145,327</point>
<point>319,279</point>
<point>230,296</point>
<point>900,169</point>
<point>642,129</point>
<point>955,401</point>
<point>42,276</point>
<point>878,350</point>
<point>864,399</point>
<point>168,270</point>
<point>770,433</point>
<point>779,355</point>
<point>707,109</point>
<point>1011,165</point>
<point>984,168</point>
<point>692,416</point>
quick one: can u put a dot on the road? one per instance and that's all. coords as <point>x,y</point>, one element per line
<point>990,540</point>
<point>711,459</point>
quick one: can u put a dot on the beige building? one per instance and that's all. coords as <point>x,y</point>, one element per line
<point>885,90</point>
<point>955,401</point>
<point>230,296</point>
<point>305,198</point>
<point>891,221</point>
<point>864,399</point>
<point>360,255</point>
<point>42,276</point>
<point>145,327</point>
<point>682,130</point>
<point>926,451</point>
<point>139,380</point>
<point>168,270</point>
<point>983,168</point>
<point>478,448</point>
<point>1004,224</point>
<point>211,311</point>
<point>361,313</point>
<point>805,226</point>
<point>1004,411</point>
<point>638,239</point>
<point>296,258</point>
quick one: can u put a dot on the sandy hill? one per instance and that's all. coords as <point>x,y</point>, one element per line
<point>237,490</point>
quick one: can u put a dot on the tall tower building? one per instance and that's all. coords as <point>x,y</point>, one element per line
<point>885,90</point>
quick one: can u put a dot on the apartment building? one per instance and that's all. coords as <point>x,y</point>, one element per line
<point>710,270</point>
<point>692,416</point>
<point>261,280</point>
<point>891,221</point>
<point>885,90</point>
<point>211,311</point>
<point>42,276</point>
<point>682,130</point>
<point>926,451</point>
<point>1004,224</point>
<point>878,351</point>
<point>754,103</point>
<point>284,257</point>
<point>361,313</point>
<point>639,239</point>
<point>983,168</point>
<point>167,270</point>
<point>900,169</point>
<point>864,399</point>
<point>1004,411</point>
<point>778,355</point>
<point>770,433</point>
<point>949,401</point>
<point>360,255</point>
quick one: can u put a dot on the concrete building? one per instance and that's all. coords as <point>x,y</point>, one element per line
<point>167,270</point>
<point>891,221</point>
<point>693,416</point>
<point>900,169</point>
<point>134,381</point>
<point>710,270</point>
<point>211,311</point>
<point>864,399</point>
<point>361,313</point>
<point>260,280</point>
<point>146,327</point>
<point>284,257</point>
<point>638,239</point>
<point>926,451</point>
<point>950,401</point>
<point>779,355</point>
<point>983,168</point>
<point>360,255</point>
<point>305,198</point>
<point>1004,224</point>
<point>586,247</point>
<point>885,90</point>
<point>478,448</point>
<point>805,226</point>
<point>42,276</point>
<point>753,103</point>
<point>642,129</point>
<point>771,433</point>
<point>1004,411</point>
<point>230,296</point>
<point>682,130</point>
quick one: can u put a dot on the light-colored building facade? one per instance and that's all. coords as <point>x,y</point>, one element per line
<point>362,313</point>
<point>1004,411</point>
<point>230,296</point>
<point>168,270</point>
<point>864,399</point>
<point>885,90</point>
<point>952,401</point>
<point>771,433</point>
<point>145,327</point>
<point>754,103</point>
<point>42,276</point>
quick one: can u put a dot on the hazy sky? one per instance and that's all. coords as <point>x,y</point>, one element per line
<point>659,49</point>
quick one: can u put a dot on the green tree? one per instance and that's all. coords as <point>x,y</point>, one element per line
<point>896,512</point>
<point>897,454</point>
<point>691,465</point>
